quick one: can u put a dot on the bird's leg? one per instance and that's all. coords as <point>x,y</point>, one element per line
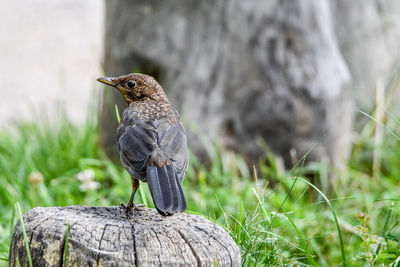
<point>135,186</point>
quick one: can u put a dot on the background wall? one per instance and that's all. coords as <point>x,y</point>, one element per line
<point>50,54</point>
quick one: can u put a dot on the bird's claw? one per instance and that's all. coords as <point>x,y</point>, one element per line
<point>131,207</point>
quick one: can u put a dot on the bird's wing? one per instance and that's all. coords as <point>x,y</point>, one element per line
<point>171,138</point>
<point>136,143</point>
<point>165,181</point>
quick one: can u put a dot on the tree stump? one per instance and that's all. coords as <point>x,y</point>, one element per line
<point>109,236</point>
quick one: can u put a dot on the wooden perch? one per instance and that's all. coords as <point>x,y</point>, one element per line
<point>109,236</point>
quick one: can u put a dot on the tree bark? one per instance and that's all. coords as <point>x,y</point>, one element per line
<point>109,236</point>
<point>252,73</point>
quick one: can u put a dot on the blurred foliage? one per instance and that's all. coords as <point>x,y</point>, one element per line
<point>273,214</point>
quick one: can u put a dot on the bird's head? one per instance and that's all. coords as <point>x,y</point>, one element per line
<point>135,87</point>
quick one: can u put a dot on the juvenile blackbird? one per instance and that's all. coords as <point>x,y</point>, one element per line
<point>151,141</point>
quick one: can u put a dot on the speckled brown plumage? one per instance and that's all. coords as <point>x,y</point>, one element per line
<point>151,141</point>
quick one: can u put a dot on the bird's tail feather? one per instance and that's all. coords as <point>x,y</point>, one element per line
<point>166,190</point>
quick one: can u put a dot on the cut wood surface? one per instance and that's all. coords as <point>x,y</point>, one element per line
<point>110,236</point>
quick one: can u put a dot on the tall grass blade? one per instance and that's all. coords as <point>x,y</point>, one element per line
<point>303,159</point>
<point>28,253</point>
<point>334,217</point>
<point>117,113</point>
<point>382,124</point>
<point>143,196</point>
<point>66,245</point>
<point>388,215</point>
<point>378,138</point>
<point>302,240</point>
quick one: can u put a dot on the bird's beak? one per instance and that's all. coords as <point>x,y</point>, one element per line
<point>107,80</point>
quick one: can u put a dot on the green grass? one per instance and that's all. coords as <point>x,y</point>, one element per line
<point>66,245</point>
<point>28,252</point>
<point>277,217</point>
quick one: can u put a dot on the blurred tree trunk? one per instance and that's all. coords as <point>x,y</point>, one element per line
<point>368,33</point>
<point>248,72</point>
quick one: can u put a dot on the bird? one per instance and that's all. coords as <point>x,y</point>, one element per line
<point>151,141</point>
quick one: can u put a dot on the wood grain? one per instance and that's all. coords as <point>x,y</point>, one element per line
<point>109,236</point>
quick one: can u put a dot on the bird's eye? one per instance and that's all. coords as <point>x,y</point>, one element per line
<point>131,84</point>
